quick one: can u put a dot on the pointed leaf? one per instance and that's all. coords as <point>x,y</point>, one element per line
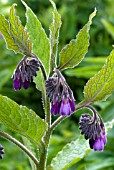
<point>101,85</point>
<point>5,30</point>
<point>41,45</point>
<point>21,120</point>
<point>73,53</point>
<point>54,34</point>
<point>19,34</point>
<point>14,33</point>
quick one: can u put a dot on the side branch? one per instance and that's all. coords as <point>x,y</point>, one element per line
<point>20,145</point>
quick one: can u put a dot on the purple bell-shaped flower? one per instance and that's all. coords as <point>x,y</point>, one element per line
<point>25,72</point>
<point>60,94</point>
<point>94,130</point>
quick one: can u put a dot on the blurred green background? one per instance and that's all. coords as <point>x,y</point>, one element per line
<point>74,14</point>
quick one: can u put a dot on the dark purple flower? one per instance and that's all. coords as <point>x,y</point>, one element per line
<point>25,72</point>
<point>55,107</point>
<point>72,105</point>
<point>94,131</point>
<point>1,151</point>
<point>17,83</point>
<point>60,94</point>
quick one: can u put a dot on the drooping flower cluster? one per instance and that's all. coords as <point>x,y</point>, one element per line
<point>25,72</point>
<point>93,129</point>
<point>1,151</point>
<point>62,100</point>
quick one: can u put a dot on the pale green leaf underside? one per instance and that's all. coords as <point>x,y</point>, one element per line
<point>21,120</point>
<point>73,53</point>
<point>73,152</point>
<point>102,84</point>
<point>14,33</point>
<point>70,154</point>
<point>41,45</point>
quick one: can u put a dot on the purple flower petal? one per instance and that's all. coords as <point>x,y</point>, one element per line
<point>17,84</point>
<point>26,84</point>
<point>98,145</point>
<point>72,105</point>
<point>55,107</point>
<point>65,109</point>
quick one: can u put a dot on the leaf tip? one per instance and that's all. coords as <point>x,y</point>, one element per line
<point>23,2</point>
<point>53,4</point>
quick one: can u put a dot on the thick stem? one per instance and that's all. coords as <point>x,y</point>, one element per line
<point>21,146</point>
<point>43,156</point>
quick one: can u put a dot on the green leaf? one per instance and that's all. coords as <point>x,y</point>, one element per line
<point>83,72</point>
<point>73,152</point>
<point>19,34</point>
<point>73,53</point>
<point>21,120</point>
<point>54,35</point>
<point>101,85</point>
<point>70,154</point>
<point>14,33</point>
<point>39,81</point>
<point>5,30</point>
<point>109,27</point>
<point>41,45</point>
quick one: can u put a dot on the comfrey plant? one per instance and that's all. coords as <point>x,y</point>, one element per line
<point>39,65</point>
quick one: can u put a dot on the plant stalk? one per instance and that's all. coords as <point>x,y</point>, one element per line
<point>21,146</point>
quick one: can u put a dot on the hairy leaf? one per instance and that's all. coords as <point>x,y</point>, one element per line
<point>73,53</point>
<point>70,154</point>
<point>15,34</point>
<point>21,120</point>
<point>102,84</point>
<point>54,34</point>
<point>41,45</point>
<point>5,30</point>
<point>19,34</point>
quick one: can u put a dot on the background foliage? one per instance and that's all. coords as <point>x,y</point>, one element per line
<point>74,15</point>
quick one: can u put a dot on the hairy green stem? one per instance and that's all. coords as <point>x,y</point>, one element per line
<point>21,146</point>
<point>44,152</point>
